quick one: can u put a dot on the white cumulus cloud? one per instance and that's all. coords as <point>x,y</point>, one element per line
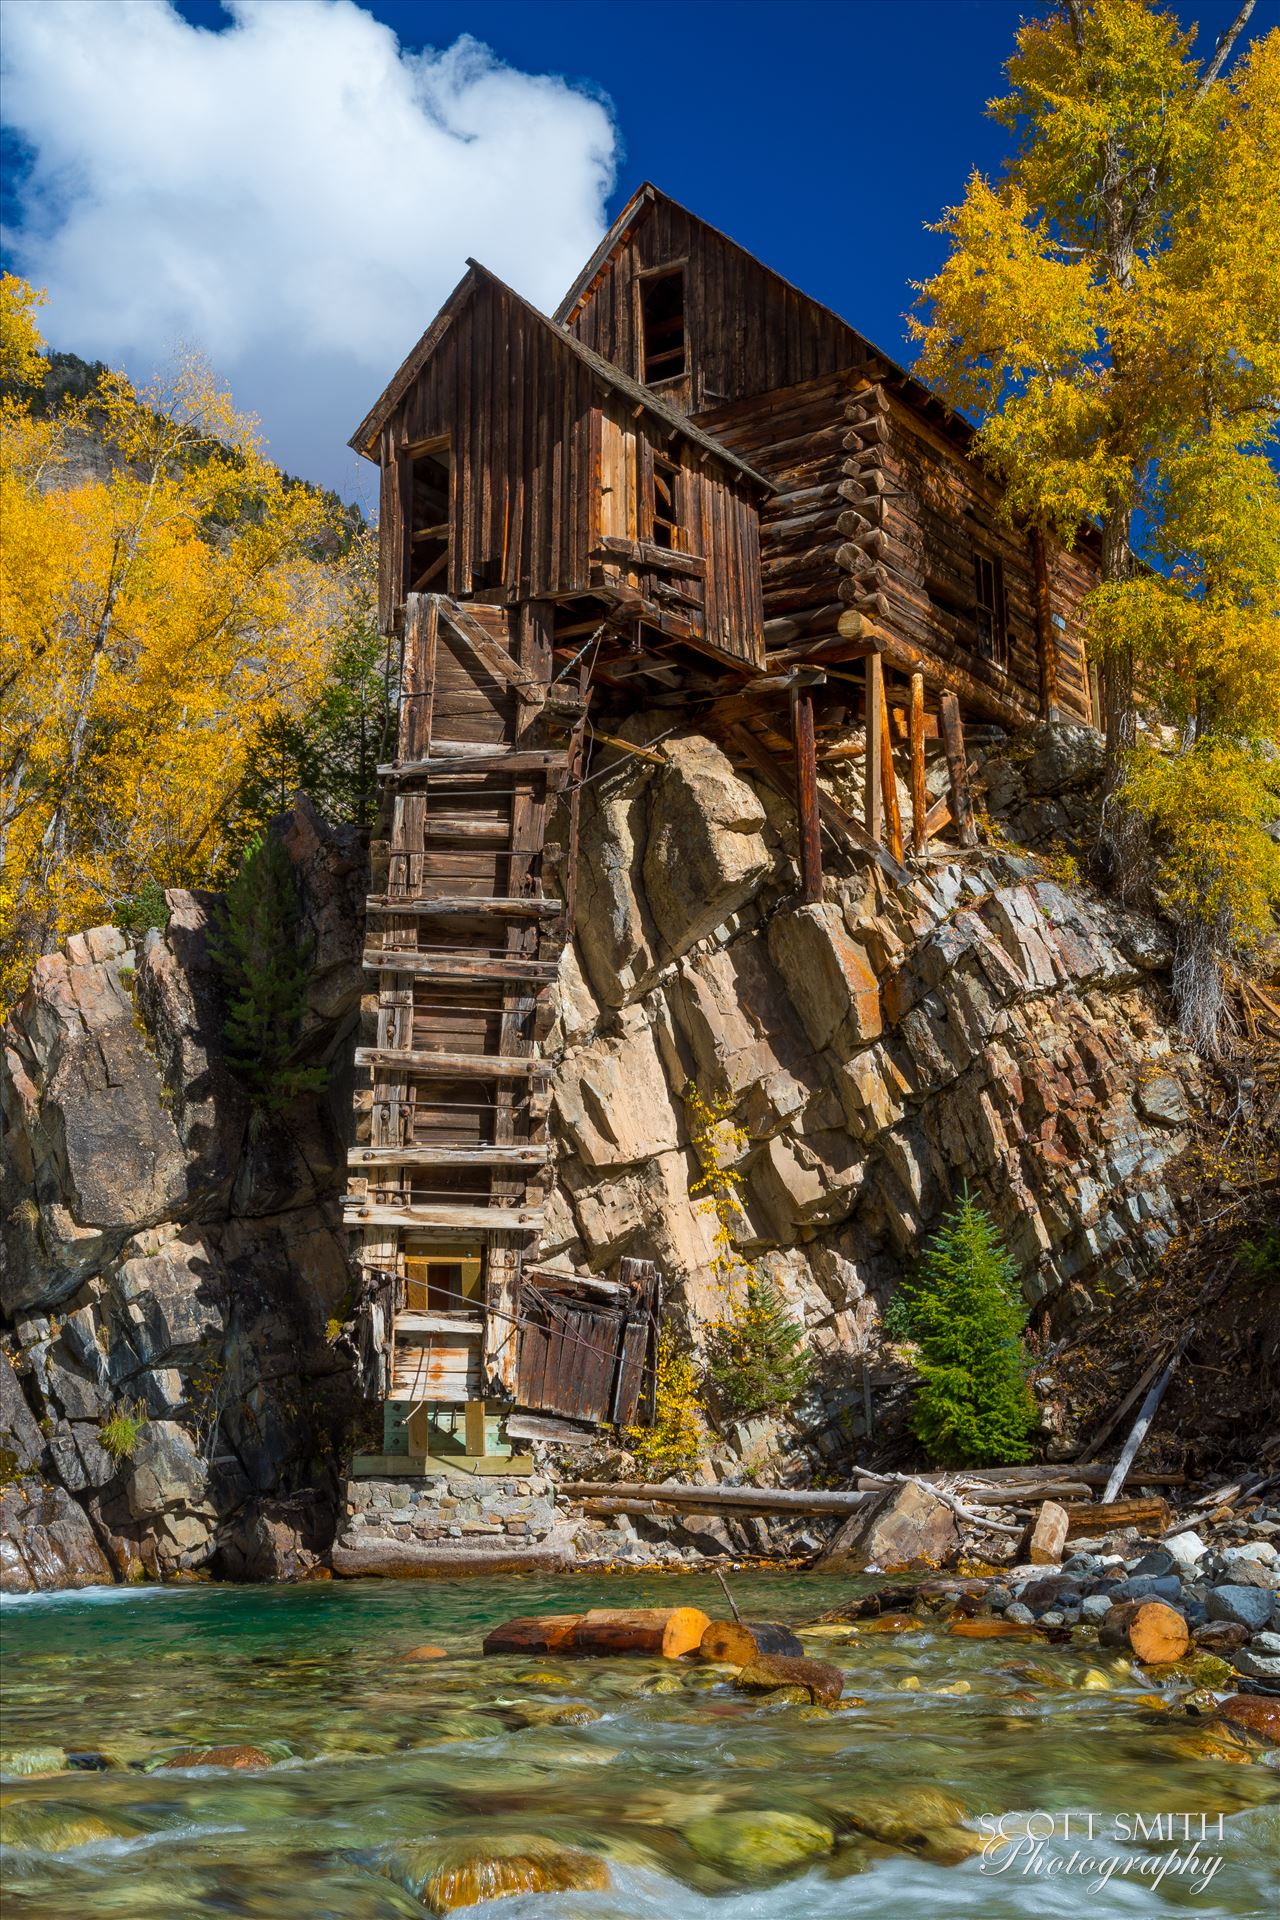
<point>294,195</point>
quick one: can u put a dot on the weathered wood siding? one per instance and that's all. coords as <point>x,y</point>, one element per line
<point>545,461</point>
<point>748,331</point>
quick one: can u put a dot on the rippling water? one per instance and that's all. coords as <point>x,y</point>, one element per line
<point>380,1764</point>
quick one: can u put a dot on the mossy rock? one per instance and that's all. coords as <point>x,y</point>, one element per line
<point>32,1762</point>
<point>44,1826</point>
<point>756,1843</point>
<point>557,1713</point>
<point>925,1820</point>
<point>1206,1670</point>
<point>446,1879</point>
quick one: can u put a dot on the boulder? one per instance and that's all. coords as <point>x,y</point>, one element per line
<point>1247,1606</point>
<point>756,1843</point>
<point>819,1681</point>
<point>1256,1713</point>
<point>705,856</point>
<point>904,1527</point>
<point>828,977</point>
<point>46,1541</point>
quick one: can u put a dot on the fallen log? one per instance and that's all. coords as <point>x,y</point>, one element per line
<point>1102,1516</point>
<point>737,1643</point>
<point>1146,1415</point>
<point>780,1499</point>
<point>1154,1633</point>
<point>663,1631</point>
<point>818,1678</point>
<point>532,1633</point>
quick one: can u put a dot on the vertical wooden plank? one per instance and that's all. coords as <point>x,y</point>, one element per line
<point>875,694</point>
<point>803,740</point>
<point>958,769</point>
<point>888,783</point>
<point>919,796</point>
<point>1046,634</point>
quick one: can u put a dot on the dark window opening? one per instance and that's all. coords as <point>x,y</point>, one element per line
<point>990,618</point>
<point>427,561</point>
<point>665,530</point>
<point>662,326</point>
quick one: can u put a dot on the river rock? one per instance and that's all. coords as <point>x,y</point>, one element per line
<point>45,1826</point>
<point>1255,1712</point>
<point>755,1843</point>
<point>1049,1534</point>
<point>821,1682</point>
<point>31,1762</point>
<point>1186,1548</point>
<point>903,1527</point>
<point>1258,1666</point>
<point>1221,1636</point>
<point>238,1759</point>
<point>1247,1606</point>
<point>924,1820</point>
<point>446,1879</point>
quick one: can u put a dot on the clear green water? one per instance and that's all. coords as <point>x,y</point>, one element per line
<point>376,1755</point>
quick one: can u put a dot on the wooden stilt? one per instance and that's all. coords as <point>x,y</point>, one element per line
<point>958,769</point>
<point>915,736</point>
<point>875,696</point>
<point>807,793</point>
<point>889,785</point>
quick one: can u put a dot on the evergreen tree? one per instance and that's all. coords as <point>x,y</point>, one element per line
<point>966,1311</point>
<point>756,1358</point>
<point>263,965</point>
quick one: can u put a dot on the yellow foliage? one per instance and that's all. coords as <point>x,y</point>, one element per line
<point>151,621</point>
<point>22,363</point>
<point>1111,308</point>
<point>1209,807</point>
<point>677,1439</point>
<point>716,1138</point>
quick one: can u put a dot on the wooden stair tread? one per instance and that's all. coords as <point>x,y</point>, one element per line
<point>360,1213</point>
<point>505,760</point>
<point>516,1156</point>
<point>411,1322</point>
<point>458,1066</point>
<point>513,905</point>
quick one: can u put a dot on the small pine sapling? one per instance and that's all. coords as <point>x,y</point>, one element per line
<point>966,1312</point>
<point>263,965</point>
<point>756,1356</point>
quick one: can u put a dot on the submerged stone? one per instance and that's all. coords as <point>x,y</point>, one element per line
<point>46,1827</point>
<point>754,1843</point>
<point>447,1879</point>
<point>30,1762</point>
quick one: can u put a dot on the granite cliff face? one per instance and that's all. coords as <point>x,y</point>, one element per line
<point>994,1023</point>
<point>987,1024</point>
<point>161,1255</point>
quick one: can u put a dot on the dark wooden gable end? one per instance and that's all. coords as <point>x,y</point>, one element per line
<point>556,476</point>
<point>878,509</point>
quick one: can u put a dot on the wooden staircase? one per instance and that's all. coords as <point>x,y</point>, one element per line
<point>447,1177</point>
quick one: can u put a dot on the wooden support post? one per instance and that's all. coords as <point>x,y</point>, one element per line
<point>476,1435</point>
<point>888,781</point>
<point>919,795</point>
<point>1046,633</point>
<point>875,695</point>
<point>802,735</point>
<point>958,768</point>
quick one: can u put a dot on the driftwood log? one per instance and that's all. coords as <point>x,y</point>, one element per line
<point>662,1631</point>
<point>737,1643</point>
<point>1154,1633</point>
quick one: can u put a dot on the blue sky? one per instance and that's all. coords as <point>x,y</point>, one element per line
<point>243,187</point>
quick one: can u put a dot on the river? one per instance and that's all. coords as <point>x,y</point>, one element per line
<point>383,1769</point>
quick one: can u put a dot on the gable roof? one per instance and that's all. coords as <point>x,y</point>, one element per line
<point>637,209</point>
<point>364,439</point>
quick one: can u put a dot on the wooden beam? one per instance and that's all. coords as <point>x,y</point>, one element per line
<point>888,782</point>
<point>1046,633</point>
<point>907,658</point>
<point>533,760</point>
<point>528,906</point>
<point>806,758</point>
<point>454,1066</point>
<point>443,1219</point>
<point>458,966</point>
<point>958,769</point>
<point>875,698</point>
<point>915,742</point>
<point>841,825</point>
<point>509,1156</point>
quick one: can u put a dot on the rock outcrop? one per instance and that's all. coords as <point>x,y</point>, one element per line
<point>163,1256</point>
<point>995,1022</point>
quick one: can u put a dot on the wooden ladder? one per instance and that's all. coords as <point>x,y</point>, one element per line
<point>447,1176</point>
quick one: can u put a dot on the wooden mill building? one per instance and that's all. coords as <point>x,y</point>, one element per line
<point>696,487</point>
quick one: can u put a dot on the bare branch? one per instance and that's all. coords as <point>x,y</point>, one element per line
<point>1222,51</point>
